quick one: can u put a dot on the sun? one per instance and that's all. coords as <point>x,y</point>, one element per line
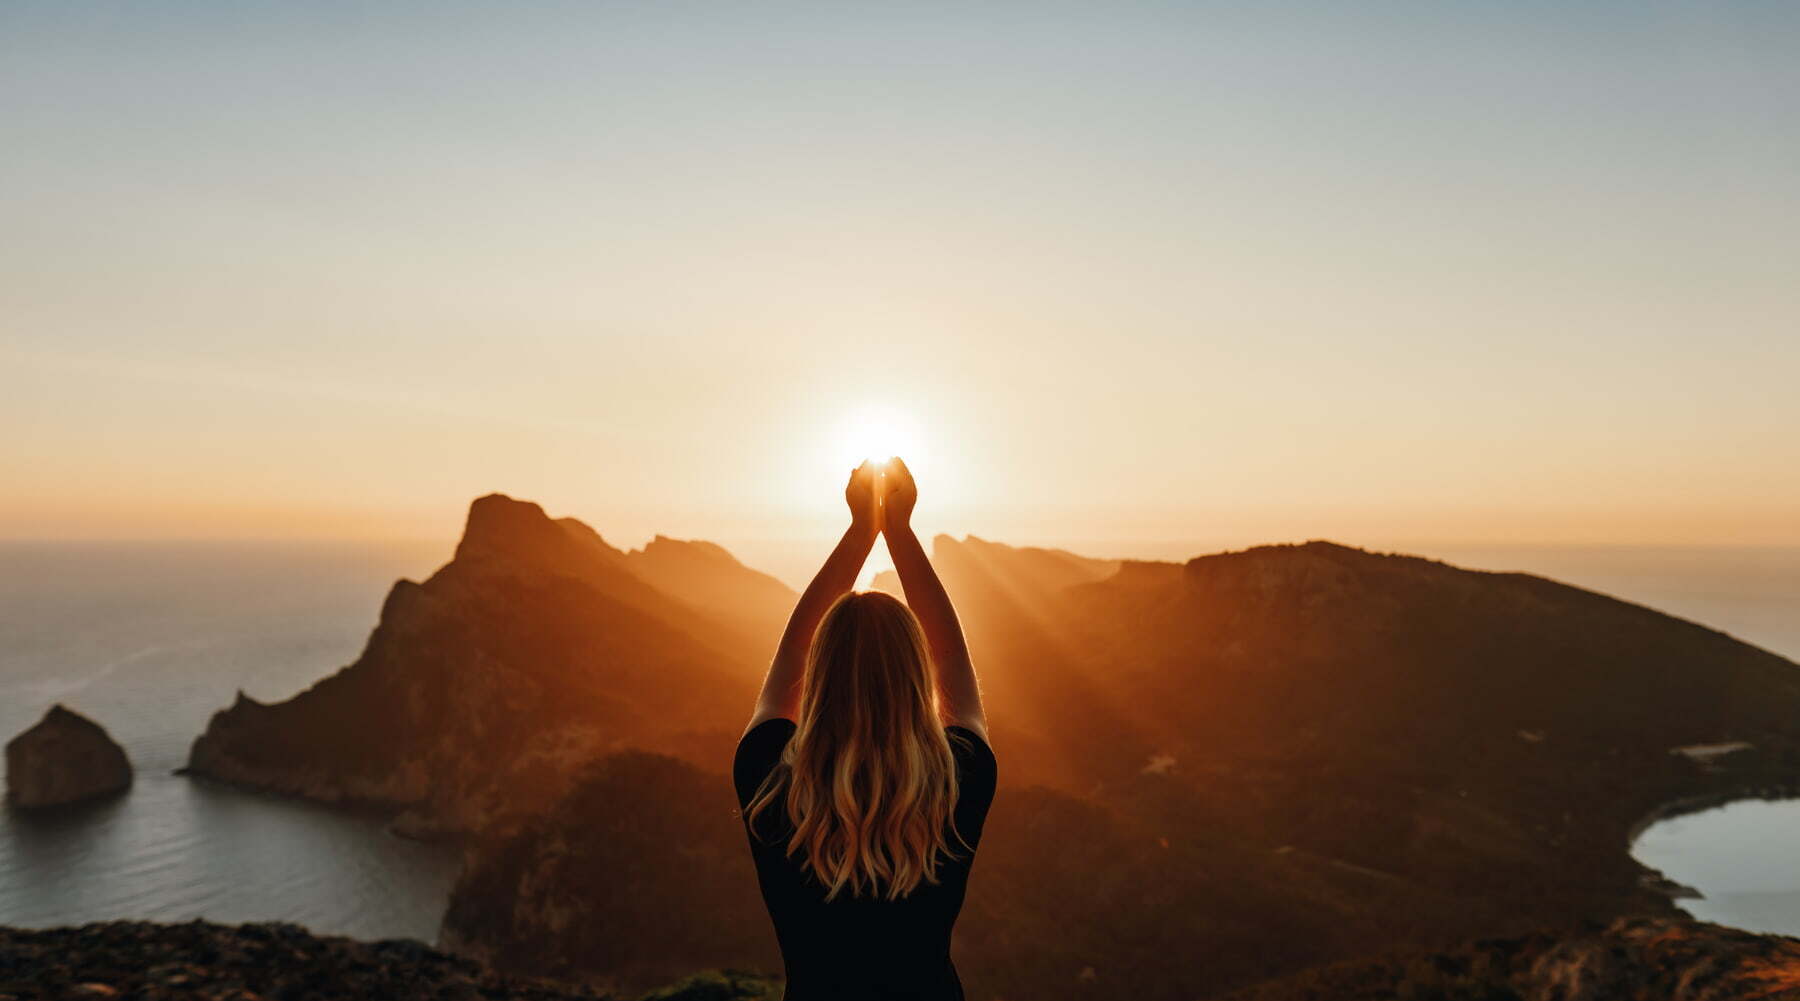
<point>879,432</point>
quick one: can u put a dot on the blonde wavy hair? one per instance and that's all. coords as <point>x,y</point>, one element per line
<point>869,774</point>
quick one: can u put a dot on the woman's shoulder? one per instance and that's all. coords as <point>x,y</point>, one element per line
<point>758,751</point>
<point>977,777</point>
<point>976,733</point>
<point>970,747</point>
<point>765,738</point>
<point>771,728</point>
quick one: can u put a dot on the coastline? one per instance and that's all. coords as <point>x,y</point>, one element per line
<point>1659,882</point>
<point>1701,802</point>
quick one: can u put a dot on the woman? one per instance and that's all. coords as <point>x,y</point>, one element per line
<point>865,774</point>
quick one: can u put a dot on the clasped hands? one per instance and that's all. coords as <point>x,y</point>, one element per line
<point>881,496</point>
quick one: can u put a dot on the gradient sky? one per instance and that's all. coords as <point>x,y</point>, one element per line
<point>1128,273</point>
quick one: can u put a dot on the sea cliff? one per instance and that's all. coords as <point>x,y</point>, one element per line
<point>482,690</point>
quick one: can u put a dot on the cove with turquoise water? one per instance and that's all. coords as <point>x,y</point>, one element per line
<point>150,639</point>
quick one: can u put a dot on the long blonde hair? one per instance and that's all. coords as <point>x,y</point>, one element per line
<point>869,774</point>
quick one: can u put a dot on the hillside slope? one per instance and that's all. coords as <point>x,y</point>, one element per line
<point>1220,771</point>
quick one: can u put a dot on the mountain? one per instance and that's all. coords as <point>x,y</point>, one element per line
<point>482,690</point>
<point>712,581</point>
<point>1033,570</point>
<point>1220,771</point>
<point>1213,773</point>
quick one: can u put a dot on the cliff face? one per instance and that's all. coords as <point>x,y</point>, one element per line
<point>482,690</point>
<point>65,758</point>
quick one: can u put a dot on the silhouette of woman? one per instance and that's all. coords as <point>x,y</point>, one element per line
<point>865,774</point>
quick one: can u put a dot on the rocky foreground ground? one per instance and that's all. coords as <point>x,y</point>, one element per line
<point>141,961</point>
<point>1634,959</point>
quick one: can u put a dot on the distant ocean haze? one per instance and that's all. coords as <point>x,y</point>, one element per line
<point>149,639</point>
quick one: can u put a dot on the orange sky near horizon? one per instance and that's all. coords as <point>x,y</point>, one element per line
<point>1129,279</point>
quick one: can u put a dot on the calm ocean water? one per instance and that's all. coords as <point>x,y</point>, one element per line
<point>151,639</point>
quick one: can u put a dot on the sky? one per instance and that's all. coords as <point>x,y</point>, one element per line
<point>1117,275</point>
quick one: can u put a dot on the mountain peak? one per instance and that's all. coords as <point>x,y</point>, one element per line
<point>502,529</point>
<point>499,524</point>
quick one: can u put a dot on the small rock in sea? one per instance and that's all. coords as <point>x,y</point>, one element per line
<point>65,758</point>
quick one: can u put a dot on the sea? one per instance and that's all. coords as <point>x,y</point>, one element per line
<point>149,639</point>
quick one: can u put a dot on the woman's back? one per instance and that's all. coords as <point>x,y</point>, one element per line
<point>863,947</point>
<point>865,774</point>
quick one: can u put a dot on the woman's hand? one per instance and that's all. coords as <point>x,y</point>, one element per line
<point>899,494</point>
<point>865,506</point>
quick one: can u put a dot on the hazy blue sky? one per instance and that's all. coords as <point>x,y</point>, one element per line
<point>1233,273</point>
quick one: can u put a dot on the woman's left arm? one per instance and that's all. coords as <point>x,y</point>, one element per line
<point>781,688</point>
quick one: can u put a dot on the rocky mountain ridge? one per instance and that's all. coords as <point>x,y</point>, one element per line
<point>536,649</point>
<point>1294,754</point>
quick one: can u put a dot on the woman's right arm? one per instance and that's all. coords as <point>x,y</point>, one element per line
<point>959,696</point>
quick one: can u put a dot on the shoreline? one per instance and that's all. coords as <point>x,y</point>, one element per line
<point>1659,882</point>
<point>1700,803</point>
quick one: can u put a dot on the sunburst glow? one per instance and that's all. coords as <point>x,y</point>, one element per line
<point>878,433</point>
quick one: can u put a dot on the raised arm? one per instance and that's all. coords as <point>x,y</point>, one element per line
<point>959,697</point>
<point>781,688</point>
